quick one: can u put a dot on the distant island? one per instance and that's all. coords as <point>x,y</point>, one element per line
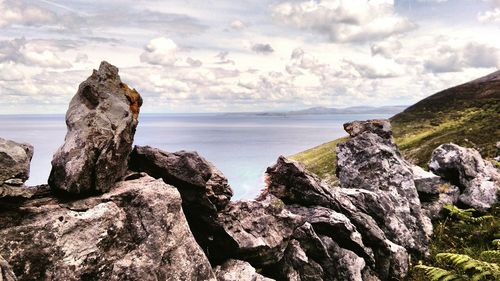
<point>320,110</point>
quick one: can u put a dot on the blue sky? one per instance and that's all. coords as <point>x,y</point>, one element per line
<point>216,56</point>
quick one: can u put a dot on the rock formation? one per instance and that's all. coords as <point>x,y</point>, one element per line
<point>101,122</point>
<point>137,231</point>
<point>370,160</point>
<point>15,161</point>
<point>236,270</point>
<point>478,180</point>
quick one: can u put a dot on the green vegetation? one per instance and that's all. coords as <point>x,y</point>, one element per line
<point>467,115</point>
<point>462,248</point>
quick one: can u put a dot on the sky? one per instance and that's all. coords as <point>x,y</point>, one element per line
<point>246,55</point>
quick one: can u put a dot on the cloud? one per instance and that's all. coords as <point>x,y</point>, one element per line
<point>448,58</point>
<point>222,56</point>
<point>17,13</point>
<point>344,21</point>
<point>32,52</point>
<point>386,49</point>
<point>160,51</point>
<point>376,67</point>
<point>237,24</point>
<point>262,48</point>
<point>489,16</point>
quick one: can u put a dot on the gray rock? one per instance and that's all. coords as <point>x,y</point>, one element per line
<point>364,211</point>
<point>101,121</point>
<point>237,270</point>
<point>137,231</point>
<point>370,160</point>
<point>478,180</point>
<point>433,192</point>
<point>256,231</point>
<point>6,273</point>
<point>15,161</point>
<point>203,188</point>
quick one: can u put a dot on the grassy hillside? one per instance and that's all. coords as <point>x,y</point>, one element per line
<point>468,115</point>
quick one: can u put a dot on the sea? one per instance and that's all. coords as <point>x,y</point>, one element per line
<point>242,146</point>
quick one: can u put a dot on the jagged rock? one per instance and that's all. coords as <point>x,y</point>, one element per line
<point>383,259</point>
<point>478,180</point>
<point>15,161</point>
<point>433,192</point>
<point>200,183</point>
<point>203,188</point>
<point>101,122</point>
<point>237,270</point>
<point>6,273</point>
<point>137,231</point>
<point>255,231</point>
<point>370,160</point>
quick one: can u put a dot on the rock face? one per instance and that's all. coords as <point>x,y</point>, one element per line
<point>433,192</point>
<point>478,180</point>
<point>6,273</point>
<point>370,160</point>
<point>203,188</point>
<point>101,122</point>
<point>15,161</point>
<point>236,270</point>
<point>347,227</point>
<point>137,231</point>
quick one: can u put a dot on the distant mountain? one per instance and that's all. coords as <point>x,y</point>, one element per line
<point>332,110</point>
<point>468,115</point>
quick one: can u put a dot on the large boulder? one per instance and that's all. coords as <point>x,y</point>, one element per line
<point>237,270</point>
<point>101,121</point>
<point>370,160</point>
<point>15,161</point>
<point>204,189</point>
<point>137,231</point>
<point>478,180</point>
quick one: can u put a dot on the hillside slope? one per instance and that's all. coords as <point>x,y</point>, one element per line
<point>468,115</point>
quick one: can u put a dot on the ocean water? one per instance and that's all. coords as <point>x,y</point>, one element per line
<point>241,146</point>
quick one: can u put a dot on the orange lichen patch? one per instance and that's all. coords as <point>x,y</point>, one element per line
<point>134,99</point>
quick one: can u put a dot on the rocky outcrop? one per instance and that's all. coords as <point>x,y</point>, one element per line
<point>137,231</point>
<point>348,223</point>
<point>370,160</point>
<point>101,122</point>
<point>15,161</point>
<point>478,180</point>
<point>237,270</point>
<point>204,189</point>
<point>433,192</point>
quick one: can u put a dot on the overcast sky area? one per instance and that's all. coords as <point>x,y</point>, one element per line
<point>245,55</point>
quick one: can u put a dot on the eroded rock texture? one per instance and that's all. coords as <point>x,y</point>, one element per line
<point>101,121</point>
<point>203,188</point>
<point>15,161</point>
<point>370,160</point>
<point>137,231</point>
<point>237,270</point>
<point>478,180</point>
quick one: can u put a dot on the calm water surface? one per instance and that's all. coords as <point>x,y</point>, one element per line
<point>241,146</point>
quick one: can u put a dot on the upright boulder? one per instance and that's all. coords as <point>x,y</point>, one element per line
<point>478,180</point>
<point>137,231</point>
<point>370,160</point>
<point>15,161</point>
<point>101,122</point>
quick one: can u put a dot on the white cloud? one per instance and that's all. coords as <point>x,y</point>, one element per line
<point>160,51</point>
<point>490,16</point>
<point>237,24</point>
<point>344,21</point>
<point>32,52</point>
<point>262,48</point>
<point>15,12</point>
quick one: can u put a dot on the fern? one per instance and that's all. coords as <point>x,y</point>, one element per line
<point>465,215</point>
<point>437,274</point>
